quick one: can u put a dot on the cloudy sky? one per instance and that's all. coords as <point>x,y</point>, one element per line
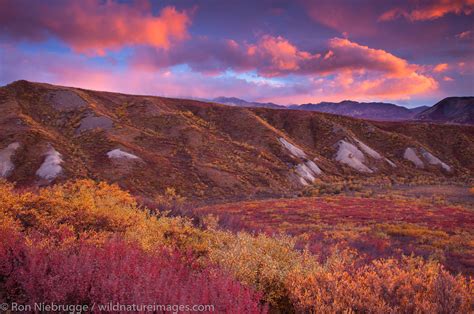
<point>407,52</point>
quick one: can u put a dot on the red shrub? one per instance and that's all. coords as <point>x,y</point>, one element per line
<point>115,272</point>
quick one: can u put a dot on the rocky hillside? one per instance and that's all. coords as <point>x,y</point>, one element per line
<point>51,133</point>
<point>450,110</point>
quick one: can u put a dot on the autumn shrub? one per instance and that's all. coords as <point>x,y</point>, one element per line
<point>259,261</point>
<point>95,210</point>
<point>170,200</point>
<point>409,285</point>
<point>85,242</point>
<point>116,271</point>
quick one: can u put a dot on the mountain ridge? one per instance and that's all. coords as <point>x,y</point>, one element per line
<point>205,150</point>
<point>450,110</point>
<point>364,110</point>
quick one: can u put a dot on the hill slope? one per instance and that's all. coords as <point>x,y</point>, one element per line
<point>450,110</point>
<point>52,133</point>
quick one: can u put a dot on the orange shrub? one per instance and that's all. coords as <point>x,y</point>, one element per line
<point>384,286</point>
<point>85,209</point>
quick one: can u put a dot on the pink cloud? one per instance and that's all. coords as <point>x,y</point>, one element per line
<point>430,10</point>
<point>369,70</point>
<point>349,55</point>
<point>440,67</point>
<point>76,70</point>
<point>464,35</point>
<point>347,17</point>
<point>93,26</point>
<point>276,55</point>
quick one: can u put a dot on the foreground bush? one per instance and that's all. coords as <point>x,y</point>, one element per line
<point>95,211</point>
<point>384,286</point>
<point>114,272</point>
<point>259,261</point>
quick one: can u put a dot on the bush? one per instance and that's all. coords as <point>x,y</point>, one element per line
<point>384,286</point>
<point>86,242</point>
<point>116,271</point>
<point>259,261</point>
<point>88,210</point>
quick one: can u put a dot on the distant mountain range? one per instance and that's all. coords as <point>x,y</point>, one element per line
<point>362,110</point>
<point>452,109</point>
<point>237,102</point>
<point>449,110</point>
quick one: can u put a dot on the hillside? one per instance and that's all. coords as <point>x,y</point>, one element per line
<point>450,110</point>
<point>204,150</point>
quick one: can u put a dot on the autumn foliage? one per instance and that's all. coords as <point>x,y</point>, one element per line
<point>77,244</point>
<point>375,228</point>
<point>115,272</point>
<point>383,286</point>
<point>84,242</point>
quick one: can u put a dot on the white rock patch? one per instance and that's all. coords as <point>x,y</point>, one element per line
<point>294,151</point>
<point>51,166</point>
<point>118,154</point>
<point>433,160</point>
<point>305,173</point>
<point>410,155</point>
<point>311,165</point>
<point>350,155</point>
<point>391,163</point>
<point>369,151</point>
<point>307,170</point>
<point>6,164</point>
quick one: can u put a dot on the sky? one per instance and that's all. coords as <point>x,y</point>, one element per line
<point>411,53</point>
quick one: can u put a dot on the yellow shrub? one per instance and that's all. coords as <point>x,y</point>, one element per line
<point>259,261</point>
<point>95,210</point>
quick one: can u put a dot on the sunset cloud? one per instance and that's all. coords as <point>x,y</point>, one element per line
<point>280,53</point>
<point>430,10</point>
<point>464,35</point>
<point>285,52</point>
<point>357,67</point>
<point>440,67</point>
<point>93,26</point>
